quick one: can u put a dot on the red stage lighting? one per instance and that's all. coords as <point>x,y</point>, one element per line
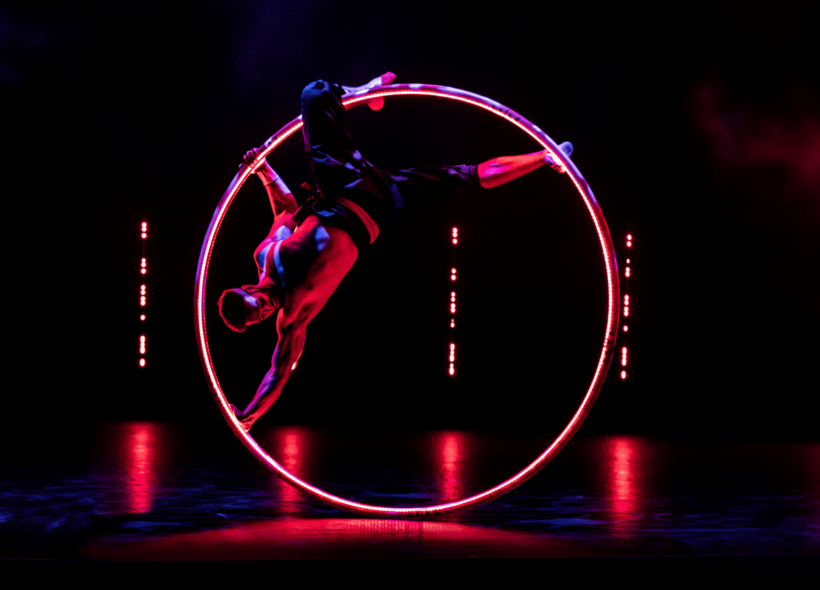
<point>143,287</point>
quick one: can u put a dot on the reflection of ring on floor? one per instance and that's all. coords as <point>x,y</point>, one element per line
<point>613,296</point>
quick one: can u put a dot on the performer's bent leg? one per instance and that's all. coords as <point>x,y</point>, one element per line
<point>334,159</point>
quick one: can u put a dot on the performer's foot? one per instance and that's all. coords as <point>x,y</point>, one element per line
<point>384,80</point>
<point>565,147</point>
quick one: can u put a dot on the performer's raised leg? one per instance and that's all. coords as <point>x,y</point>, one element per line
<point>502,170</point>
<point>334,159</point>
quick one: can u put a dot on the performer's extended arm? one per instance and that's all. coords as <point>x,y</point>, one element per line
<point>279,195</point>
<point>285,355</point>
<point>502,170</point>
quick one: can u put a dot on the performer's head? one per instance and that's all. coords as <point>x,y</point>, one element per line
<point>248,305</point>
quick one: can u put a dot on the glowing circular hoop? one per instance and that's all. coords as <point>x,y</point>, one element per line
<point>613,290</point>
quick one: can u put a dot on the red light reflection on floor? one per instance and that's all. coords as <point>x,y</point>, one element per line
<point>289,448</point>
<point>140,440</point>
<point>451,449</point>
<point>624,476</point>
<point>318,539</point>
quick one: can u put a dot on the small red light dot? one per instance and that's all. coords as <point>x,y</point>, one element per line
<point>623,374</point>
<point>142,317</point>
<point>455,241</point>
<point>626,328</point>
<point>142,362</point>
<point>629,237</point>
<point>143,271</point>
<point>144,235</point>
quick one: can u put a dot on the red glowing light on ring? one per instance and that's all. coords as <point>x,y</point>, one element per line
<point>604,358</point>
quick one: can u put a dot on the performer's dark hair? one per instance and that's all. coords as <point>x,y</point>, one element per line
<point>232,309</point>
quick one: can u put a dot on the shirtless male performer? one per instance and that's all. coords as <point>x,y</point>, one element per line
<point>310,249</point>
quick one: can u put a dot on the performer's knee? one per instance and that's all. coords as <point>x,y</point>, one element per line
<point>318,91</point>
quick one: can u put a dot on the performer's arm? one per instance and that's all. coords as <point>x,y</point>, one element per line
<point>502,170</point>
<point>287,352</point>
<point>279,195</point>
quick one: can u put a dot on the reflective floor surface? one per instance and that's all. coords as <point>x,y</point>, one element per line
<point>154,491</point>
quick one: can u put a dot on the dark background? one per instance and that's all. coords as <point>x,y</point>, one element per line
<point>697,125</point>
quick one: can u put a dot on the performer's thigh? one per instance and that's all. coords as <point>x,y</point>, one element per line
<point>421,187</point>
<point>333,156</point>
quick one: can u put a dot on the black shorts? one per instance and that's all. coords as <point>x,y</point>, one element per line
<point>339,170</point>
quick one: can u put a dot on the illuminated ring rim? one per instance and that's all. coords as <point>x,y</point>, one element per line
<point>607,350</point>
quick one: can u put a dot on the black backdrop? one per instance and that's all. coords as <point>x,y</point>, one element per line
<point>696,125</point>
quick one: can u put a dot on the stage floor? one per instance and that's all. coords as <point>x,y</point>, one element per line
<point>154,491</point>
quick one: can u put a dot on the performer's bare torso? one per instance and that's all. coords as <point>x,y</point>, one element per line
<point>281,229</point>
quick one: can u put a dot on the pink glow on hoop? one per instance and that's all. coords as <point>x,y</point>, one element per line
<point>613,291</point>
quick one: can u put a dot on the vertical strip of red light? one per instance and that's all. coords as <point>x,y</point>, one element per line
<point>452,358</point>
<point>627,274</point>
<point>143,292</point>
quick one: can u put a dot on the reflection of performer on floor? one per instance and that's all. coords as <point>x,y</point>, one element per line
<point>310,249</point>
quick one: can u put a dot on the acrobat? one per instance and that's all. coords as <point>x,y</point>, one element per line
<point>311,248</point>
